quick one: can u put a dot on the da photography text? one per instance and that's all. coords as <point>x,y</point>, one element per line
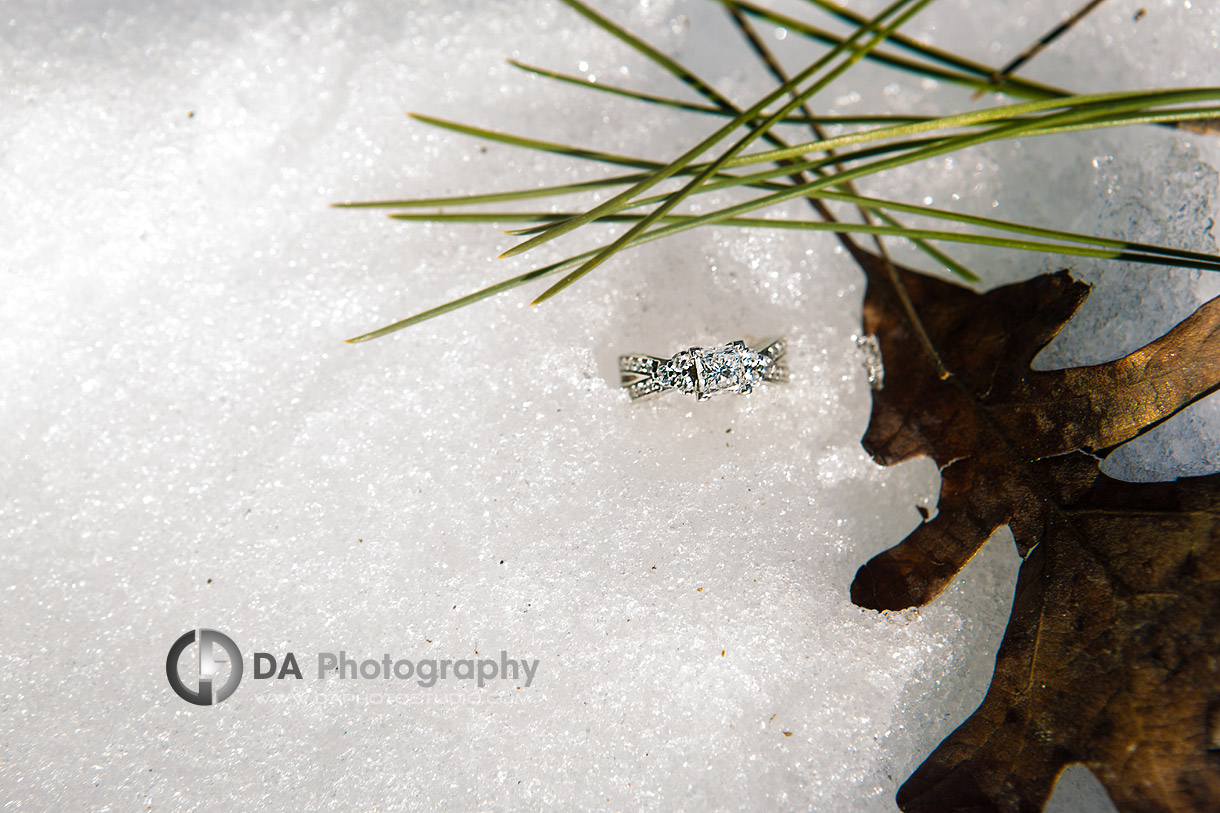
<point>192,679</point>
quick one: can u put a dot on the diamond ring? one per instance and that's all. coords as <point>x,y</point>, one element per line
<point>704,372</point>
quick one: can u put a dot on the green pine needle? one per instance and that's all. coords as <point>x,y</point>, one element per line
<point>882,143</point>
<point>878,33</point>
<point>962,71</point>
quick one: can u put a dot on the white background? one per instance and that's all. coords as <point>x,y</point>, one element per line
<point>190,444</point>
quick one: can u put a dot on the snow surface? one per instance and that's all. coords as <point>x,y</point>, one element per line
<point>190,444</point>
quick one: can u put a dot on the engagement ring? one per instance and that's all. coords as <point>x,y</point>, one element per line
<point>704,372</point>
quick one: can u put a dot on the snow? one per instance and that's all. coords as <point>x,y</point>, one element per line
<point>191,444</point>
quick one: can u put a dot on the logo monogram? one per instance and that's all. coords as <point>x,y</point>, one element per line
<point>208,667</point>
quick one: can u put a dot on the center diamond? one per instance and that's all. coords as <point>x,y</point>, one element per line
<point>731,367</point>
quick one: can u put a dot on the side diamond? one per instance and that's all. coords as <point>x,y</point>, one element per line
<point>679,371</point>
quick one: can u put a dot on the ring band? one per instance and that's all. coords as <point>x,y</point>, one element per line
<point>704,372</point>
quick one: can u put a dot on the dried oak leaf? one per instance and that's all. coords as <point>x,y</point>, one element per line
<point>1112,654</point>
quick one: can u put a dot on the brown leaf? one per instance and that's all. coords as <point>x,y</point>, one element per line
<point>1112,655</point>
<point>1200,126</point>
